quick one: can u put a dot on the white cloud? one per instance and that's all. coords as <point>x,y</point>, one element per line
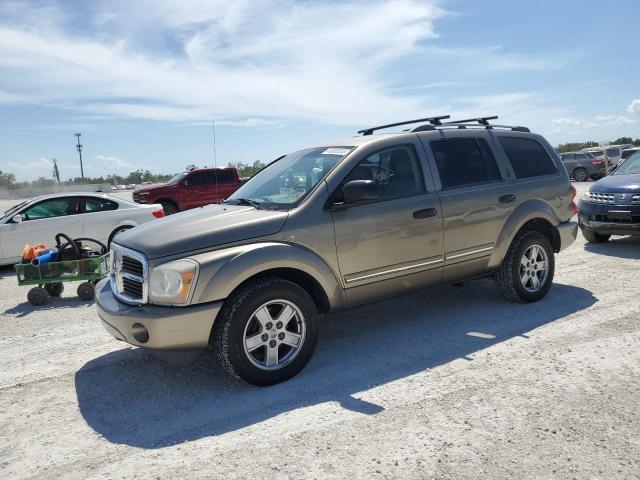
<point>634,106</point>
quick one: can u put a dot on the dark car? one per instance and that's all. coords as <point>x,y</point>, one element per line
<point>611,206</point>
<point>187,190</point>
<point>583,165</point>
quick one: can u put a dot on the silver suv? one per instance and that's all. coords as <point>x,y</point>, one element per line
<point>330,227</point>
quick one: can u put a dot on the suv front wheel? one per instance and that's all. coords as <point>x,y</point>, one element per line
<point>266,332</point>
<point>526,274</point>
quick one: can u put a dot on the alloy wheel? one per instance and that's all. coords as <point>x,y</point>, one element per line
<point>534,267</point>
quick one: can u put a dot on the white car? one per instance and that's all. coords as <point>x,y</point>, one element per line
<point>92,215</point>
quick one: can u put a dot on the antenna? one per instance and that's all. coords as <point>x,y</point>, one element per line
<point>215,159</point>
<point>79,148</point>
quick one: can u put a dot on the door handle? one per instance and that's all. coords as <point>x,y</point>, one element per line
<point>507,198</point>
<point>425,213</point>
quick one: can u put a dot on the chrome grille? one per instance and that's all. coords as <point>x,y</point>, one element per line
<point>601,197</point>
<point>635,199</point>
<point>129,275</point>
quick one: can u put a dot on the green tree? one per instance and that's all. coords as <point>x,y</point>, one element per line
<point>572,147</point>
<point>7,180</point>
<point>621,140</point>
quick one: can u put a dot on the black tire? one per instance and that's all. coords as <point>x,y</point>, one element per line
<point>508,276</point>
<point>54,289</point>
<point>86,291</point>
<point>169,207</point>
<point>38,296</point>
<point>581,175</point>
<point>593,237</point>
<point>118,231</point>
<point>228,335</point>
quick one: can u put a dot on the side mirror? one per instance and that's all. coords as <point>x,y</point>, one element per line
<point>357,191</point>
<point>17,218</point>
<point>185,183</point>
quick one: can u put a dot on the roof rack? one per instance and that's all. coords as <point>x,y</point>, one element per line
<point>483,122</point>
<point>431,120</point>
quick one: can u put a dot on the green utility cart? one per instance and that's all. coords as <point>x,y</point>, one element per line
<point>50,277</point>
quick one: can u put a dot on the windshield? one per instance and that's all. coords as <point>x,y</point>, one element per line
<point>177,179</point>
<point>9,212</point>
<point>630,165</point>
<point>286,181</point>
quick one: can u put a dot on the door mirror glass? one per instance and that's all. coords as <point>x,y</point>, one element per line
<point>357,191</point>
<point>17,218</point>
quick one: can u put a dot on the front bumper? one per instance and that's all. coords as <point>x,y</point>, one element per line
<point>606,219</point>
<point>568,232</point>
<point>167,328</point>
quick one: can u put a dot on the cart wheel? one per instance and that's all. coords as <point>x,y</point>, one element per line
<point>38,296</point>
<point>86,291</point>
<point>54,289</point>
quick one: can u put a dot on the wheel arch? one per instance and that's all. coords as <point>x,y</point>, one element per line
<point>534,215</point>
<point>224,271</point>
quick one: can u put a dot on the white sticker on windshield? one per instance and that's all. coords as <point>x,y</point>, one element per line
<point>336,151</point>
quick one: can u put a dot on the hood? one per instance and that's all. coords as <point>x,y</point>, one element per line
<point>200,229</point>
<point>617,184</point>
<point>154,186</point>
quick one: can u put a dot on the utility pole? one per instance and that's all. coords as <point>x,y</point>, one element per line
<point>79,148</point>
<point>56,172</point>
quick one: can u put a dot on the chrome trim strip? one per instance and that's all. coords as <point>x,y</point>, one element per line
<point>394,270</point>
<point>452,257</point>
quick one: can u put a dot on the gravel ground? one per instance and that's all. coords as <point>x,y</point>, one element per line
<point>451,383</point>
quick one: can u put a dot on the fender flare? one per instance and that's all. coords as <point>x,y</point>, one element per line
<point>528,210</point>
<point>222,271</point>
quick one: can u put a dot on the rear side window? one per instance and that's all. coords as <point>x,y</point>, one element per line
<point>464,161</point>
<point>581,156</point>
<point>613,152</point>
<point>528,157</point>
<point>99,205</point>
<point>225,176</point>
<point>202,178</point>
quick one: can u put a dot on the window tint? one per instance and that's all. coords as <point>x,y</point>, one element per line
<point>99,205</point>
<point>56,207</point>
<point>464,161</point>
<point>202,178</point>
<point>396,171</point>
<point>568,156</point>
<point>613,152</point>
<point>528,157</point>
<point>225,176</point>
<point>581,156</point>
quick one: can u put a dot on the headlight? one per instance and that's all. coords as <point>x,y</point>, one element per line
<point>586,195</point>
<point>171,283</point>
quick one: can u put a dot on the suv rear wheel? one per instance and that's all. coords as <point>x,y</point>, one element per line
<point>526,274</point>
<point>266,332</point>
<point>581,175</point>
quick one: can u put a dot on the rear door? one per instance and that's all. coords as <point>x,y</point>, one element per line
<point>201,189</point>
<point>569,161</point>
<point>41,222</point>
<point>393,244</point>
<point>227,183</point>
<point>99,217</point>
<point>476,200</point>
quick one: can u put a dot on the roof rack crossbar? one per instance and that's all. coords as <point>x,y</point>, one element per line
<point>481,120</point>
<point>431,120</point>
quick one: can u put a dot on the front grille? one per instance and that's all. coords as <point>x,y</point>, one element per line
<point>133,288</point>
<point>132,266</point>
<point>137,197</point>
<point>129,275</point>
<point>601,197</point>
<point>635,199</point>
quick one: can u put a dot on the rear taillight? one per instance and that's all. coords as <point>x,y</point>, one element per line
<point>574,207</point>
<point>597,162</point>
<point>158,213</point>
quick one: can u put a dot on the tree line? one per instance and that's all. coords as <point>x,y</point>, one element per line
<point>574,147</point>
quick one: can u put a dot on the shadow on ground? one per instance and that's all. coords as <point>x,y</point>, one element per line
<point>131,398</point>
<point>622,247</point>
<point>25,308</point>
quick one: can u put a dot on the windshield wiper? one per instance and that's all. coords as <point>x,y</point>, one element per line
<point>245,201</point>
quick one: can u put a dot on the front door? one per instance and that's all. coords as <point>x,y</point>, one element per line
<point>393,244</point>
<point>41,222</point>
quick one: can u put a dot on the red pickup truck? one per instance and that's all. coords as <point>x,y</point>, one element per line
<point>186,190</point>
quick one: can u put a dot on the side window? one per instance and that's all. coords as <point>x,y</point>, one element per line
<point>613,152</point>
<point>396,170</point>
<point>56,207</point>
<point>225,176</point>
<point>202,178</point>
<point>567,157</point>
<point>581,157</point>
<point>464,161</point>
<point>98,205</point>
<point>527,156</point>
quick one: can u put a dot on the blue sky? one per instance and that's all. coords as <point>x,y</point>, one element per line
<point>142,80</point>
